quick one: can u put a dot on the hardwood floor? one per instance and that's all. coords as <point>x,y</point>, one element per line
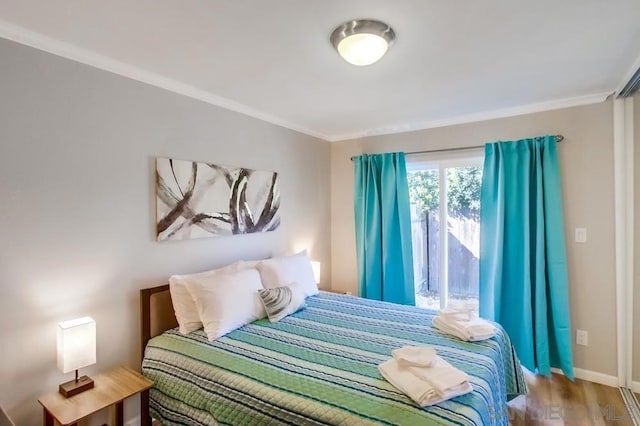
<point>556,400</point>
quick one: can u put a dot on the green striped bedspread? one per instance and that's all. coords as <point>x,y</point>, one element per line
<point>319,367</point>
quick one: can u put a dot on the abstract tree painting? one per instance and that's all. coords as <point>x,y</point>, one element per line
<point>196,200</point>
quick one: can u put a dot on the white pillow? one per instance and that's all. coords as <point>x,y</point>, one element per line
<point>183,304</point>
<point>227,300</point>
<point>289,269</point>
<point>282,301</point>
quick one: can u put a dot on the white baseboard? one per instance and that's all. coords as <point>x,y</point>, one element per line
<point>592,376</point>
<point>601,378</point>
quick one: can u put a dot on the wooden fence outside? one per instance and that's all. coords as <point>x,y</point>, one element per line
<point>463,236</point>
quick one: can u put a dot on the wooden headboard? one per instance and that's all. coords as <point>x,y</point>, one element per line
<point>156,312</point>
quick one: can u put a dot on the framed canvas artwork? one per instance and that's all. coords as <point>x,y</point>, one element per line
<point>196,200</point>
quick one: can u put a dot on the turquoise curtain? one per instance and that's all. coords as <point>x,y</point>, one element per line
<point>383,228</point>
<point>523,270</point>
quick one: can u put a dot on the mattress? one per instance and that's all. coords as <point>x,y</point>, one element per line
<point>319,367</point>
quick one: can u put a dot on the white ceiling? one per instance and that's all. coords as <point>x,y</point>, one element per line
<point>453,61</point>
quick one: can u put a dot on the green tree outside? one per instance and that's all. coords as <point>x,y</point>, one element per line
<point>463,189</point>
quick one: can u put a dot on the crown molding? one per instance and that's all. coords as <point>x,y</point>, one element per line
<point>482,116</point>
<point>75,53</point>
<point>634,67</point>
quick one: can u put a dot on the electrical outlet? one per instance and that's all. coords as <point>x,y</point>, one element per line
<point>581,235</point>
<point>582,338</point>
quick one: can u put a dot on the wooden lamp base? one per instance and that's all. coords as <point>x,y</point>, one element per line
<point>76,386</point>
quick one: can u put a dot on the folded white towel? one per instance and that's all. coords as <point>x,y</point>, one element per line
<point>458,316</point>
<point>471,331</point>
<point>417,356</point>
<point>460,311</point>
<point>444,377</point>
<point>466,308</point>
<point>419,390</point>
<point>463,330</point>
<point>478,327</point>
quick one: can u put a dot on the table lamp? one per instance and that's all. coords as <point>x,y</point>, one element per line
<point>76,349</point>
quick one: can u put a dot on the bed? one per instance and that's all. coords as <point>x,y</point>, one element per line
<point>315,367</point>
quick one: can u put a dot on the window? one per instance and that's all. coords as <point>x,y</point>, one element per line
<point>445,222</point>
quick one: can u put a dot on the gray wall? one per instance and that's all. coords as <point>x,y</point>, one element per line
<point>586,158</point>
<point>77,218</point>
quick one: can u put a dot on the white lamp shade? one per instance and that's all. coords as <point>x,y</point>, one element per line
<point>315,265</point>
<point>76,344</point>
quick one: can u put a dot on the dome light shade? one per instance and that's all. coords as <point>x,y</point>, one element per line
<point>362,49</point>
<point>362,41</point>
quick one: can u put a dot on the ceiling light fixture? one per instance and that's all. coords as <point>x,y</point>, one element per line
<point>362,41</point>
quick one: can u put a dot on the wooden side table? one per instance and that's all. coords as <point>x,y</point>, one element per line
<point>111,388</point>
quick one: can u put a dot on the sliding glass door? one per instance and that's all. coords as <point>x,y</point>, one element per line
<point>445,210</point>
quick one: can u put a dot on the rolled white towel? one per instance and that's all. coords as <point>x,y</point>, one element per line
<point>417,356</point>
<point>419,390</point>
<point>470,331</point>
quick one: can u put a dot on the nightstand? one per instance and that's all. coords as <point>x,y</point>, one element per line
<point>111,388</point>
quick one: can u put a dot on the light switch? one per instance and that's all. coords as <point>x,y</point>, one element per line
<point>581,235</point>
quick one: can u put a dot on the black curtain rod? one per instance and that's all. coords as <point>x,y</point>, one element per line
<point>559,138</point>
